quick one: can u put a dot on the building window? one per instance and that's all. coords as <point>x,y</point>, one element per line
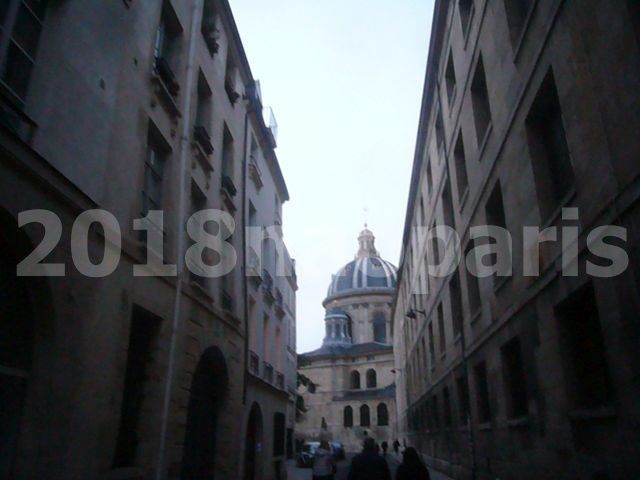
<point>383,415</point>
<point>551,161</point>
<point>167,48</point>
<point>198,203</point>
<point>278,434</point>
<point>480,101</point>
<point>495,207</point>
<point>230,79</point>
<point>514,379</point>
<point>517,13</point>
<point>435,412</point>
<point>447,407</point>
<point>208,27</point>
<point>450,80</point>
<point>435,250</point>
<point>365,419</point>
<point>143,331</point>
<point>429,176</point>
<point>348,416</point>
<point>583,350</point>
<point>473,282</point>
<point>153,171</point>
<point>441,330</point>
<point>462,388</point>
<point>379,328</point>
<point>447,206</point>
<point>440,136</point>
<point>432,349</point>
<point>203,105</point>
<point>372,381</point>
<point>355,380</point>
<point>456,303</point>
<point>461,167</point>
<point>482,392</point>
<point>466,13</point>
<point>21,25</point>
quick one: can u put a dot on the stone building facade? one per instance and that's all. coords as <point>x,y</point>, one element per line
<point>529,111</point>
<point>352,394</point>
<point>131,107</point>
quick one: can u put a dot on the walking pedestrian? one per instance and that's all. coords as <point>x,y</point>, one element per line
<point>324,465</point>
<point>385,447</point>
<point>368,465</point>
<point>396,446</point>
<point>412,467</point>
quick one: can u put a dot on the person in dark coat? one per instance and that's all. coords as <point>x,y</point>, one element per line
<point>396,446</point>
<point>368,465</point>
<point>412,467</point>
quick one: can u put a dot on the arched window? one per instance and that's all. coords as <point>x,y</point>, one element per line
<point>365,419</point>
<point>383,414</point>
<point>372,380</point>
<point>355,380</point>
<point>348,416</point>
<point>379,328</point>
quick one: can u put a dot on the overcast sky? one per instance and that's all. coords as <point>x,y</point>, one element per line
<point>344,78</point>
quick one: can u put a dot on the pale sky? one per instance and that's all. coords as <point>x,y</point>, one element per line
<point>344,78</point>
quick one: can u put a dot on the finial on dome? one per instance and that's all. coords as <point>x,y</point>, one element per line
<point>366,239</point>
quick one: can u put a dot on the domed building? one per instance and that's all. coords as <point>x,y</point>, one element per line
<point>353,390</point>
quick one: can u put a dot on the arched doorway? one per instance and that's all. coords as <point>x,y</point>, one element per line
<point>16,342</point>
<point>253,444</point>
<point>208,392</point>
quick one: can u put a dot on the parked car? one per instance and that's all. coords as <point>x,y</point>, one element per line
<point>338,450</point>
<point>305,457</point>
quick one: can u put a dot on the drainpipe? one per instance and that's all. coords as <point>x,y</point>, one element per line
<point>182,179</point>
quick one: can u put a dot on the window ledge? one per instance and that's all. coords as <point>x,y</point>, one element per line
<point>593,413</point>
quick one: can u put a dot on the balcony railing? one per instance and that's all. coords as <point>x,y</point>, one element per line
<point>254,363</point>
<point>280,380</point>
<point>267,372</point>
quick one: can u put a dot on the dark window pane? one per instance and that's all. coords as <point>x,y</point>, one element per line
<point>26,31</point>
<point>17,71</point>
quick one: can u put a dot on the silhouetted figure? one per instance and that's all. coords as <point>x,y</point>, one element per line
<point>324,465</point>
<point>368,465</point>
<point>396,446</point>
<point>412,467</point>
<point>385,447</point>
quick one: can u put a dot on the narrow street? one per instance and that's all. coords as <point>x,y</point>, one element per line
<point>295,473</point>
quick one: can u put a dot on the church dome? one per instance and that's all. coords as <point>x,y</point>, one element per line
<point>369,271</point>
